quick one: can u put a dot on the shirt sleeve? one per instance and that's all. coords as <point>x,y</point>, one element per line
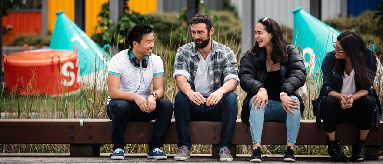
<point>231,67</point>
<point>158,66</point>
<point>114,67</point>
<point>180,65</point>
<point>327,67</point>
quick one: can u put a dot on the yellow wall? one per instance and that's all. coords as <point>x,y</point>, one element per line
<point>143,6</point>
<point>56,6</point>
<point>92,9</point>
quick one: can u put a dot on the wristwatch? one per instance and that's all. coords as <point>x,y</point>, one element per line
<point>155,95</point>
<point>282,94</point>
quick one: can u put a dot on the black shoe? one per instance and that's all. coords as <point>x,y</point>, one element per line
<point>335,151</point>
<point>289,155</point>
<point>359,151</point>
<point>257,155</point>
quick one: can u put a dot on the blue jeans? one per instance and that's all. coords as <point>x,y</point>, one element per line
<point>274,111</point>
<point>224,111</point>
<point>121,112</point>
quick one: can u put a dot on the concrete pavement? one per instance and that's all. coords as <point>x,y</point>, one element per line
<point>141,158</point>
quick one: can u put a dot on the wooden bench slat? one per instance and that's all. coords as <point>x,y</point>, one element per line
<point>98,131</point>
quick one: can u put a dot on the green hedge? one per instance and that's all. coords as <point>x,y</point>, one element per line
<point>35,40</point>
<point>369,28</point>
<point>170,29</point>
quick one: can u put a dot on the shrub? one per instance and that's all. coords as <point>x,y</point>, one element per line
<point>36,40</point>
<point>366,24</point>
<point>117,35</point>
<point>169,30</point>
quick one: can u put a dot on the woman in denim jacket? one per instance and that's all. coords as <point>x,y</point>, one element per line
<point>347,94</point>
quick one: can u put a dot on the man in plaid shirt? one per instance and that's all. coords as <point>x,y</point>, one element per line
<point>206,73</point>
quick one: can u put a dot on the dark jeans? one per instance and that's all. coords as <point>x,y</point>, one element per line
<point>225,111</point>
<point>122,111</point>
<point>361,113</point>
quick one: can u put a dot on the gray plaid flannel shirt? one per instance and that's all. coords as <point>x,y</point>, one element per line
<point>223,65</point>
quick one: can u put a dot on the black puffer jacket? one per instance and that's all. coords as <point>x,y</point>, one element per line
<point>253,74</point>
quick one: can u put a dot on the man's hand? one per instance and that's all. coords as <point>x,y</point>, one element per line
<point>214,98</point>
<point>261,99</point>
<point>151,103</point>
<point>142,103</point>
<point>196,97</point>
<point>288,103</point>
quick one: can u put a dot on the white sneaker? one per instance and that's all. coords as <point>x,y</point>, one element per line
<point>224,154</point>
<point>183,154</point>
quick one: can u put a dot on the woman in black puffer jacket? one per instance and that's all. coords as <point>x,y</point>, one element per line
<point>270,73</point>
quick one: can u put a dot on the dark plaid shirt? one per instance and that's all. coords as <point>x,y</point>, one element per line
<point>222,66</point>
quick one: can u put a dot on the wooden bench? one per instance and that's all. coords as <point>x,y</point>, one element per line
<point>86,136</point>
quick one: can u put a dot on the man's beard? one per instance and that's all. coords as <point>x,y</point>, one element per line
<point>203,44</point>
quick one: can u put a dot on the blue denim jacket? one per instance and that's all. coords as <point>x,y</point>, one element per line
<point>333,81</point>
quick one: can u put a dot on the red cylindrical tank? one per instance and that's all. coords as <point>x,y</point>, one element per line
<point>40,72</point>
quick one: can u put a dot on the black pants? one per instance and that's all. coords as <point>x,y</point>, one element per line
<point>361,113</point>
<point>122,111</point>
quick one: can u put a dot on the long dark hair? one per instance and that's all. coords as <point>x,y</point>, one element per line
<point>279,51</point>
<point>354,46</point>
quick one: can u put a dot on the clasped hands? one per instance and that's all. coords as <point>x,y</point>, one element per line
<point>146,105</point>
<point>198,99</point>
<point>346,101</point>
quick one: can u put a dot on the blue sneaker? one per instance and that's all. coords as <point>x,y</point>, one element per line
<point>118,154</point>
<point>156,153</point>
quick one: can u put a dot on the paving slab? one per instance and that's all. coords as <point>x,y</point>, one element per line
<point>141,158</point>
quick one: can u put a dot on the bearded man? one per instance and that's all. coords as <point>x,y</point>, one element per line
<point>206,74</point>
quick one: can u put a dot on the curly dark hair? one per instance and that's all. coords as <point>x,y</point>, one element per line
<point>136,32</point>
<point>202,18</point>
<point>279,51</point>
<point>354,46</point>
